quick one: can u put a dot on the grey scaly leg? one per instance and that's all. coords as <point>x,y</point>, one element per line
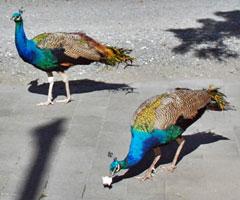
<point>151,169</point>
<point>65,80</point>
<point>181,142</point>
<point>51,83</point>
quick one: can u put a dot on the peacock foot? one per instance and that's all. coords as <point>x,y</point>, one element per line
<point>67,100</point>
<point>149,174</point>
<point>46,103</point>
<point>169,168</point>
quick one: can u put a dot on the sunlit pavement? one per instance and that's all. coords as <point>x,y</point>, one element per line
<point>59,152</point>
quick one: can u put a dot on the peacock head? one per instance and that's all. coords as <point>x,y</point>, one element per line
<point>115,167</point>
<point>17,16</point>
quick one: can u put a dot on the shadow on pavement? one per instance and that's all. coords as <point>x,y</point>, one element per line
<point>77,87</point>
<point>168,152</point>
<point>208,40</point>
<point>45,138</point>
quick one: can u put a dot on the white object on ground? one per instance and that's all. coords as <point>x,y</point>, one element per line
<point>107,180</point>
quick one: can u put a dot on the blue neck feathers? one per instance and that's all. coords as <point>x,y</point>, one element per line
<point>28,50</point>
<point>20,36</point>
<point>141,143</point>
<point>24,46</point>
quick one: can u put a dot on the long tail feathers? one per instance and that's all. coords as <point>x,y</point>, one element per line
<point>218,99</point>
<point>119,55</point>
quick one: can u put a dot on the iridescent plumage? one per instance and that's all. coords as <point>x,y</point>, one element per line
<point>164,118</point>
<point>161,111</point>
<point>59,51</point>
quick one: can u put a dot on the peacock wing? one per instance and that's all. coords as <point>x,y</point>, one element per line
<point>181,103</point>
<point>144,118</point>
<point>41,37</point>
<point>163,111</point>
<point>192,101</point>
<point>73,44</point>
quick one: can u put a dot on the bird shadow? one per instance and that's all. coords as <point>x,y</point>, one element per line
<point>207,41</point>
<point>45,138</point>
<point>168,152</point>
<point>78,86</point>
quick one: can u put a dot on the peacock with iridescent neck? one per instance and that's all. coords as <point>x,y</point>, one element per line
<point>164,118</point>
<point>59,51</point>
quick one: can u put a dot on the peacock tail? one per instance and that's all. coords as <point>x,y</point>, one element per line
<point>217,97</point>
<point>119,55</point>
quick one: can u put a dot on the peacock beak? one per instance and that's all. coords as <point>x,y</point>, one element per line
<point>12,18</point>
<point>110,174</point>
<point>117,169</point>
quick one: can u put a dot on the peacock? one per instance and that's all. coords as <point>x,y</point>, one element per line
<point>164,118</point>
<point>57,52</point>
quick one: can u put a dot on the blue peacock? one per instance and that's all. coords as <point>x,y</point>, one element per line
<point>164,118</point>
<point>59,51</point>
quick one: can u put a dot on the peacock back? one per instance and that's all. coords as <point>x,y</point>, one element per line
<point>162,112</point>
<point>74,45</point>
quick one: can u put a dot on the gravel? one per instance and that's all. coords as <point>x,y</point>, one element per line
<point>170,39</point>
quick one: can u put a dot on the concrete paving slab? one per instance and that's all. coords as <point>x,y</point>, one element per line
<point>61,151</point>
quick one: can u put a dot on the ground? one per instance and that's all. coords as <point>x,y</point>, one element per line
<point>60,152</point>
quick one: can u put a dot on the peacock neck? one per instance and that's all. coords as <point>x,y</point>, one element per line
<point>141,143</point>
<point>24,46</point>
<point>20,36</point>
<point>29,52</point>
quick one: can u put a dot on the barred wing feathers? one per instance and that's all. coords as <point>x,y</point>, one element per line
<point>164,110</point>
<point>75,45</point>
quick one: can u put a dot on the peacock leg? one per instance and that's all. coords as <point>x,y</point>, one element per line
<point>181,142</point>
<point>51,82</point>
<point>151,170</point>
<point>65,80</point>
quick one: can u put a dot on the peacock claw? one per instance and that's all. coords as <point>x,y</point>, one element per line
<point>63,101</point>
<point>148,175</point>
<point>46,103</point>
<point>154,171</point>
<point>169,168</point>
<point>145,177</point>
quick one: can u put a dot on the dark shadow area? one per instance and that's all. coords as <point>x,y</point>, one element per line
<point>185,123</point>
<point>208,40</point>
<point>168,152</point>
<point>45,142</point>
<point>77,87</point>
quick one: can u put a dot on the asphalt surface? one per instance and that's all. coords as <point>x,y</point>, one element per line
<point>60,152</point>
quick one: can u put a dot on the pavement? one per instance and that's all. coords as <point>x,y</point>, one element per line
<point>60,152</point>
